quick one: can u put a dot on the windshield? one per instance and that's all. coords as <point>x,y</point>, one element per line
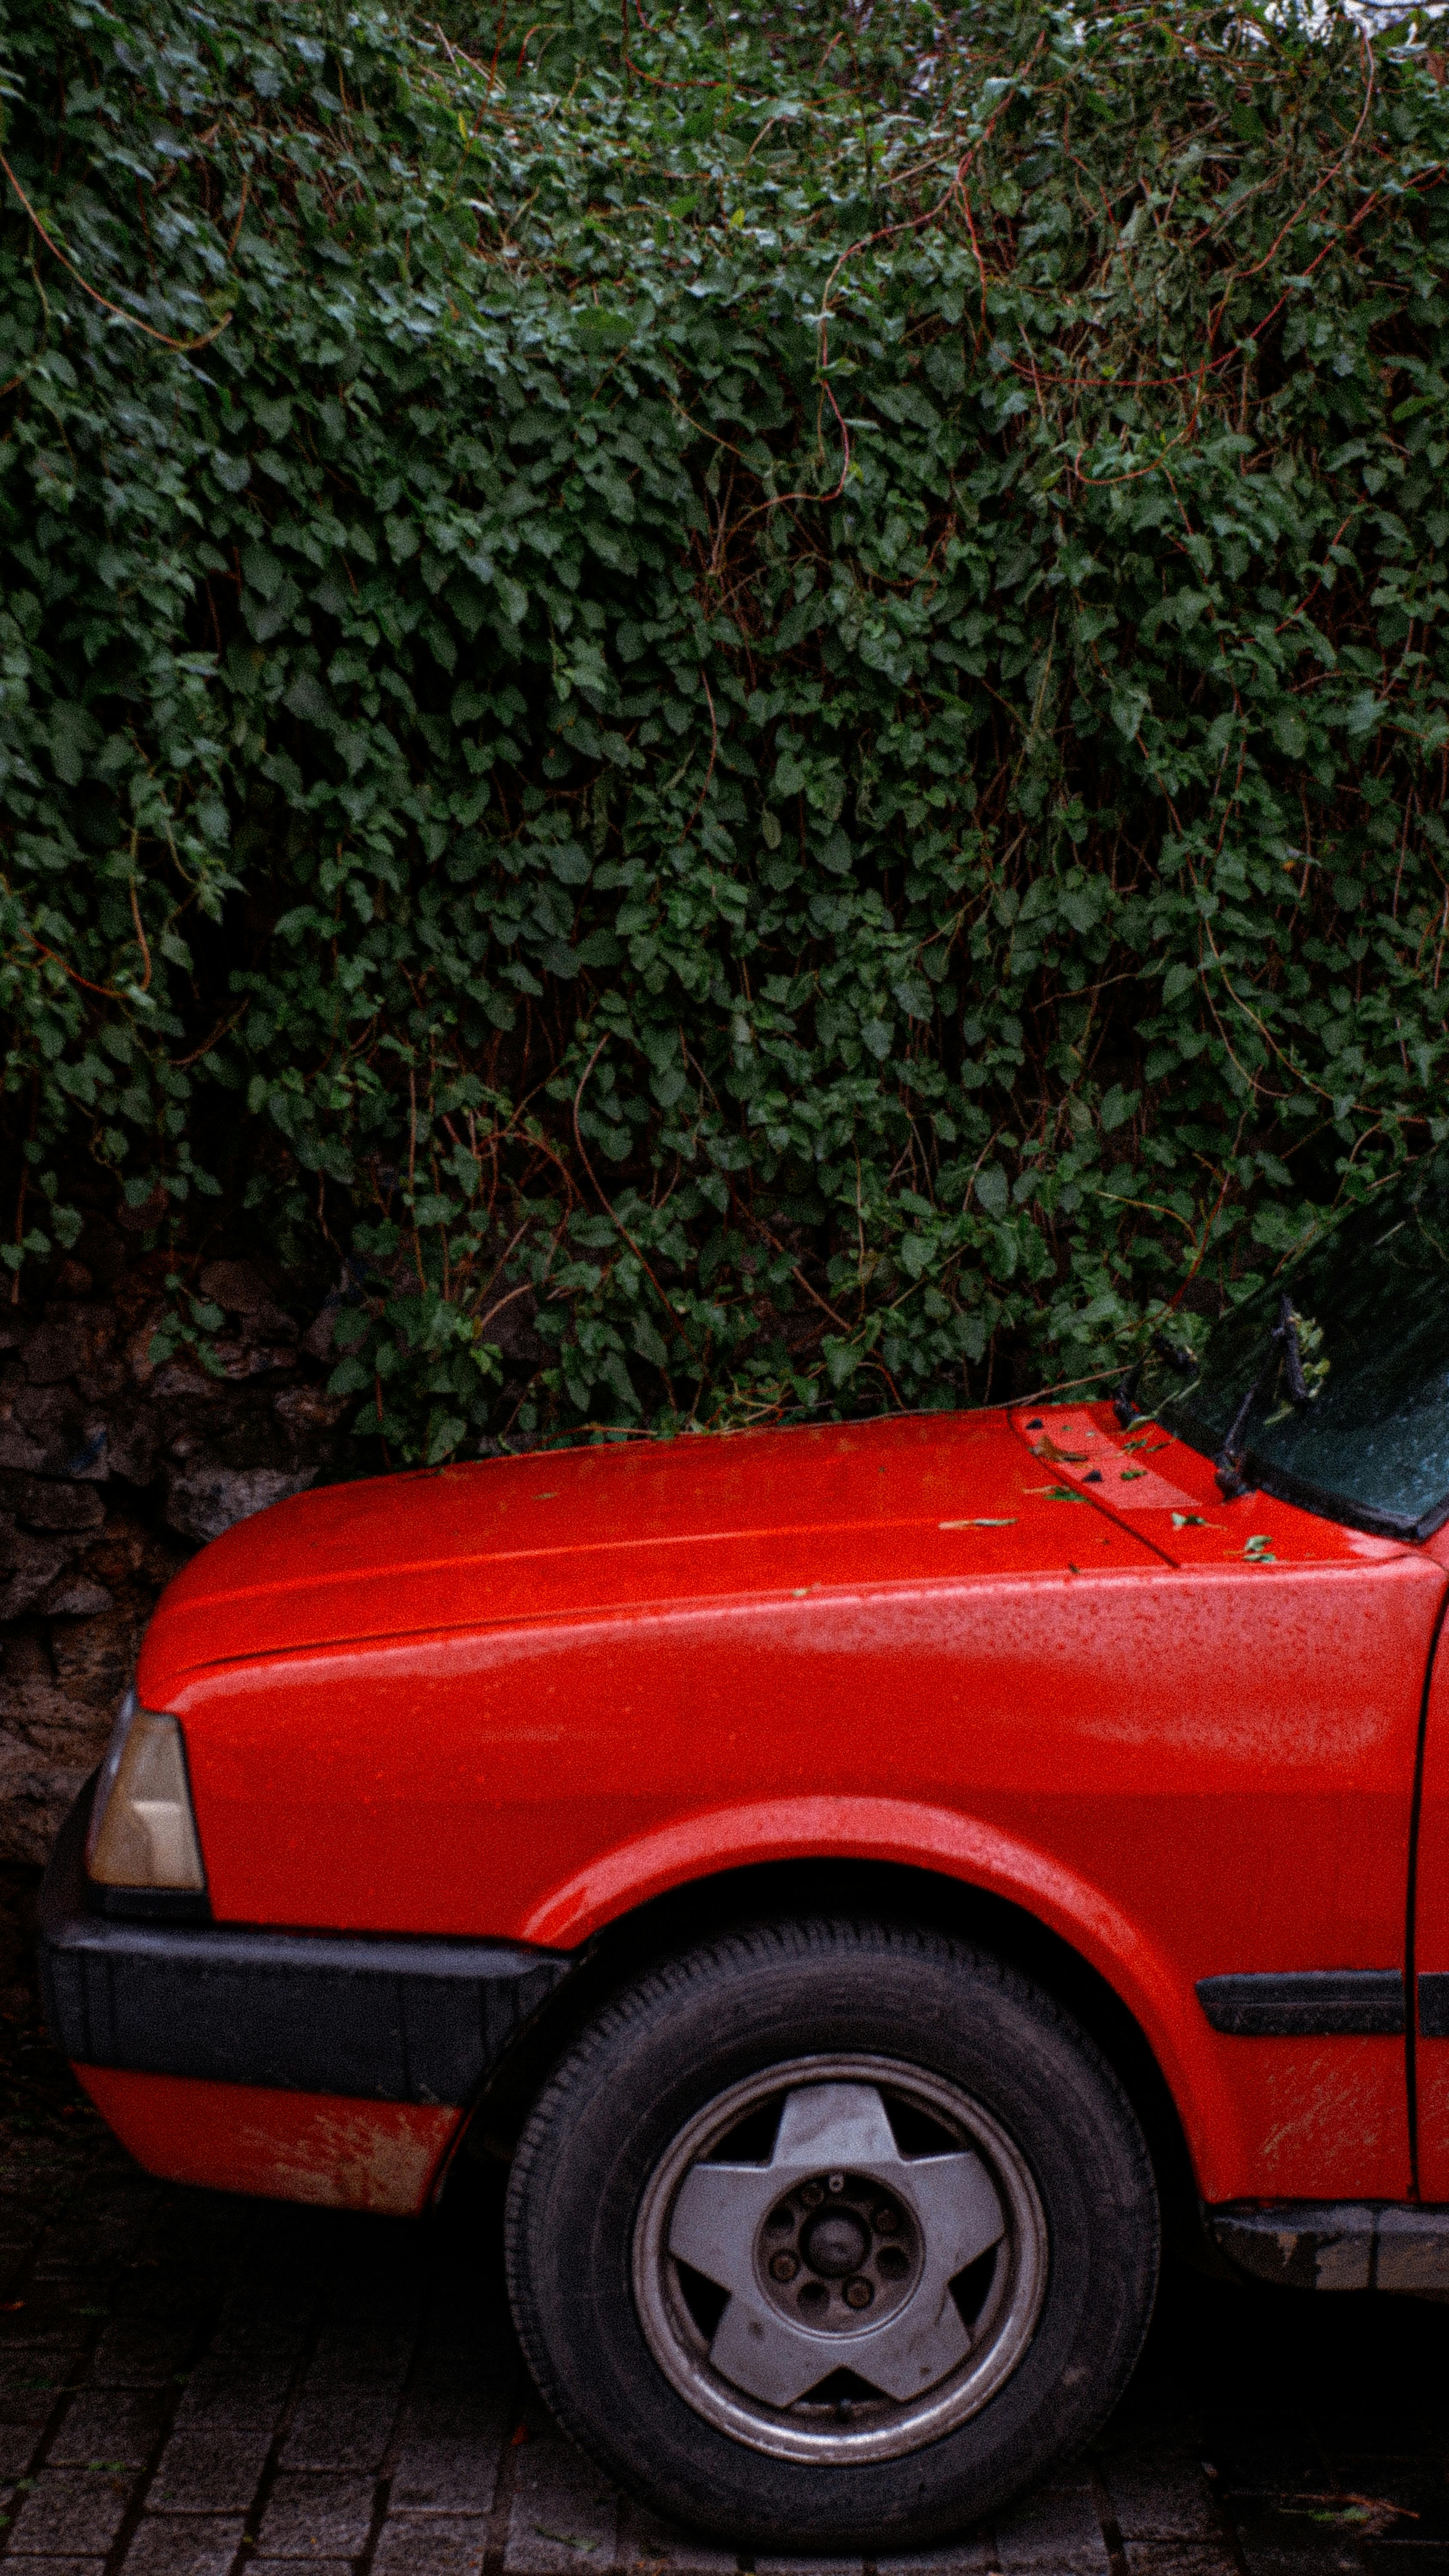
<point>1330,1386</point>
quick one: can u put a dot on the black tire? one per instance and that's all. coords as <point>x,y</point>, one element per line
<point>609,2117</point>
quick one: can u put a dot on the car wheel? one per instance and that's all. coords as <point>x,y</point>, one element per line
<point>831,2235</point>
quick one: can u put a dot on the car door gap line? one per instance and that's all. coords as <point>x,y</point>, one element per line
<point>1411,1900</point>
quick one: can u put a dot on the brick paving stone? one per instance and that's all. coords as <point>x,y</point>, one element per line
<point>435,2544</point>
<point>143,2352</point>
<point>769,2566</point>
<point>563,2516</point>
<point>41,2328</point>
<point>316,2514</point>
<point>211,2472</point>
<point>27,2391</point>
<point>108,2424</point>
<point>1160,2494</point>
<point>255,2341</point>
<point>78,2511</point>
<point>228,2384</point>
<point>67,2566</point>
<point>105,2224</point>
<point>1056,2529</point>
<point>1169,2558</point>
<point>189,2545</point>
<point>90,2238</point>
<point>35,2382</point>
<point>36,2393</point>
<point>289,2566</point>
<point>225,2387</point>
<point>17,2447</point>
<point>461,2406</point>
<point>304,2355</point>
<point>446,2471</point>
<point>647,2544</point>
<point>960,2558</point>
<point>349,2401</point>
<point>341,2424</point>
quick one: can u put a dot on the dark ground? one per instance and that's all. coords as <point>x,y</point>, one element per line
<point>192,2385</point>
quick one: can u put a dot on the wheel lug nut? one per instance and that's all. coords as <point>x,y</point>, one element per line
<point>812,2195</point>
<point>887,2221</point>
<point>783,2267</point>
<point>858,2294</point>
<point>837,2182</point>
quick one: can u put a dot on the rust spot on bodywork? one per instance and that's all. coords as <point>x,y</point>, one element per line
<point>375,2156</point>
<point>318,2147</point>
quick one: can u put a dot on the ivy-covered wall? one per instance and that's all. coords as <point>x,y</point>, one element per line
<point>729,710</point>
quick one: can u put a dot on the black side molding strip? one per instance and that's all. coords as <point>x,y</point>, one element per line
<point>1336,2244</point>
<point>379,2020</point>
<point>1308,2003</point>
<point>1434,2004</point>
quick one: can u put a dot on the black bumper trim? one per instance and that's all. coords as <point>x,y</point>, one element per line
<point>377,2019</point>
<point>1310,2003</point>
<point>1336,2244</point>
<point>1434,2004</point>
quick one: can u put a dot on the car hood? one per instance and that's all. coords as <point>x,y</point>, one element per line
<point>923,1497</point>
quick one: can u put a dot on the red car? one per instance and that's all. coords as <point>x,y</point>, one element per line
<point>869,1880</point>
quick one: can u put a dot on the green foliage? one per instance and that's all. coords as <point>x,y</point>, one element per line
<point>777,699</point>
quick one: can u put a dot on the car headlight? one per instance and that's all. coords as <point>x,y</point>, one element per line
<point>142,1830</point>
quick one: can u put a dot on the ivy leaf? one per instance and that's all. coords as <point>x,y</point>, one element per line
<point>520,720</point>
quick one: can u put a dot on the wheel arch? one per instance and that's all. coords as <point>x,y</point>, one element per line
<point>702,1908</point>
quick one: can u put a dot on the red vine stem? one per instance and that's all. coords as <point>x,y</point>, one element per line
<point>183,348</point>
<point>106,991</point>
<point>887,232</point>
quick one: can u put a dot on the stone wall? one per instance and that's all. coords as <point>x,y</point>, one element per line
<point>112,1472</point>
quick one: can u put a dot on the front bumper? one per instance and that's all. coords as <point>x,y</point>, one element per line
<point>373,2019</point>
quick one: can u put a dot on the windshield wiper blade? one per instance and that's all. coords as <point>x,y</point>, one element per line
<point>1282,1352</point>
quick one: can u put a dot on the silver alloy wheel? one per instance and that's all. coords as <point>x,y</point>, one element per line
<point>835,2251</point>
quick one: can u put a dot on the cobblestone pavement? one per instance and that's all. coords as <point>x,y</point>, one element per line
<point>192,2385</point>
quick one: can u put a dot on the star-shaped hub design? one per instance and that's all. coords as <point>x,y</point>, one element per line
<point>838,2253</point>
